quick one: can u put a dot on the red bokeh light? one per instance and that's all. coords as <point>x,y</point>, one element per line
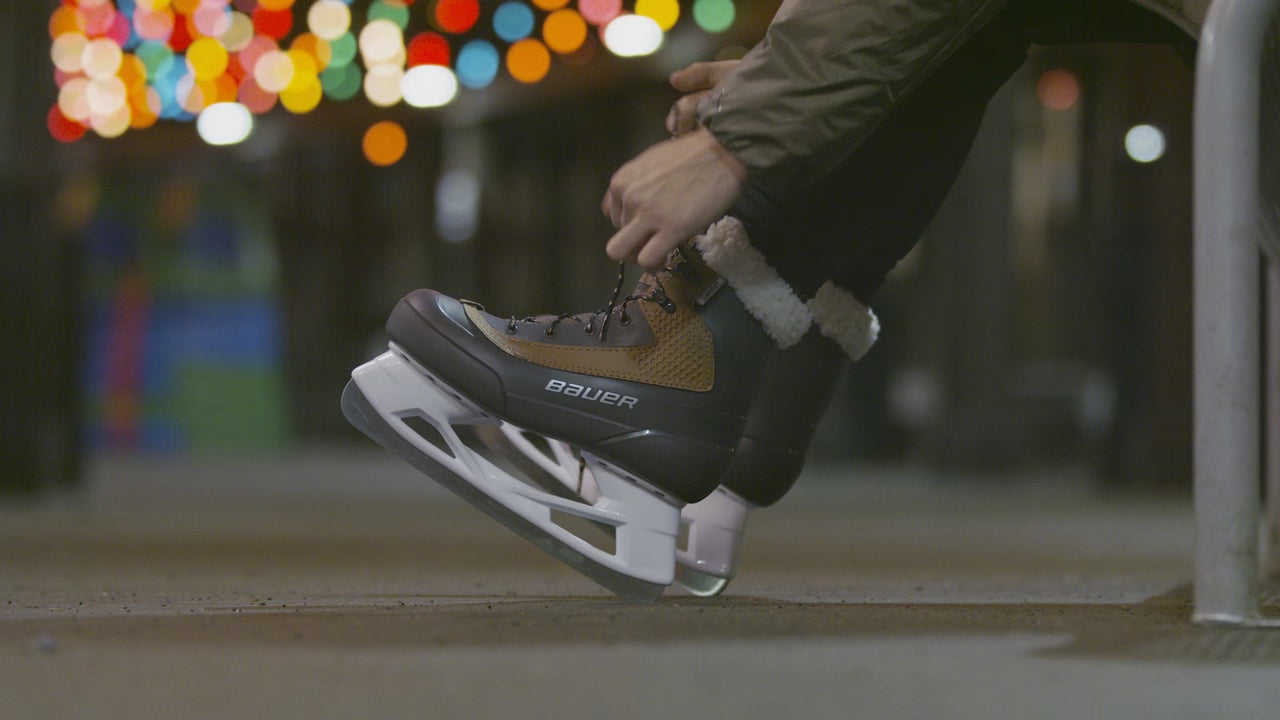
<point>273,23</point>
<point>457,16</point>
<point>428,48</point>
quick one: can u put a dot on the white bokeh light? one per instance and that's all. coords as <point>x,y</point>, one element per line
<point>633,36</point>
<point>427,86</point>
<point>225,123</point>
<point>1144,143</point>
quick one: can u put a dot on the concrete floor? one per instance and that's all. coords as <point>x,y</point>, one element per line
<point>343,585</point>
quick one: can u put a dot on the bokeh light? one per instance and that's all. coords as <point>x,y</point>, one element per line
<point>1144,143</point>
<point>101,58</point>
<point>329,19</point>
<point>478,63</point>
<point>599,12</point>
<point>383,85</point>
<point>427,86</point>
<point>273,71</point>
<point>528,60</point>
<point>428,48</point>
<point>714,16</point>
<point>225,123</point>
<point>1058,89</point>
<point>239,32</point>
<point>457,16</point>
<point>62,128</point>
<point>207,58</point>
<point>385,143</point>
<point>564,31</point>
<point>126,64</point>
<point>663,12</point>
<point>68,51</point>
<point>633,36</point>
<point>65,19</point>
<point>380,42</point>
<point>341,82</point>
<point>272,23</point>
<point>514,21</point>
<point>389,10</point>
<point>344,50</point>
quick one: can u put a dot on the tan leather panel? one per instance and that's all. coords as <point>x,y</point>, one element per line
<point>682,357</point>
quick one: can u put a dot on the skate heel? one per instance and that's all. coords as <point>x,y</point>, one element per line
<point>715,527</point>
<point>389,398</point>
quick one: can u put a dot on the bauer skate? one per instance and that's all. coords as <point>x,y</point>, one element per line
<point>795,391</point>
<point>651,395</point>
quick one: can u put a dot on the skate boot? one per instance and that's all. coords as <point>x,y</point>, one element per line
<point>795,391</point>
<point>794,394</point>
<point>652,394</point>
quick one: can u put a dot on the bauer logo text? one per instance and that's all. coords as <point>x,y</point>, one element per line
<point>560,387</point>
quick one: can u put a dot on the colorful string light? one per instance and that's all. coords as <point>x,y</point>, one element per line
<point>126,64</point>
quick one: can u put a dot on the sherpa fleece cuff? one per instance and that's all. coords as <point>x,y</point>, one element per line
<point>767,297</point>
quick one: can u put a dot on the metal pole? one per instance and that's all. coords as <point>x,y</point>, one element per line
<point>1227,376</point>
<point>1271,383</point>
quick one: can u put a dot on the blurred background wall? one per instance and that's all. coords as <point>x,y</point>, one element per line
<point>163,295</point>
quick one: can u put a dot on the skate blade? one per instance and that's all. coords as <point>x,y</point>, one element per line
<point>700,583</point>
<point>361,412</point>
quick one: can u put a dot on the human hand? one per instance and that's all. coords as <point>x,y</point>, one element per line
<point>695,81</point>
<point>668,194</point>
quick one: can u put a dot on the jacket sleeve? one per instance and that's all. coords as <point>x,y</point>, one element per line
<point>825,75</point>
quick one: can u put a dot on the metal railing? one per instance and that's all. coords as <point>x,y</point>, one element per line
<point>1229,231</point>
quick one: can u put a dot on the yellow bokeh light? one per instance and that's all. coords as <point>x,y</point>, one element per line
<point>528,60</point>
<point>385,143</point>
<point>663,12</point>
<point>304,70</point>
<point>153,4</point>
<point>320,50</point>
<point>550,4</point>
<point>304,99</point>
<point>187,7</point>
<point>273,4</point>
<point>207,58</point>
<point>564,31</point>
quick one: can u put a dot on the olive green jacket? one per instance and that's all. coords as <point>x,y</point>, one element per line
<point>828,71</point>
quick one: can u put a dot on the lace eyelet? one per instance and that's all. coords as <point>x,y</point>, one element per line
<point>511,327</point>
<point>625,320</point>
<point>551,331</point>
<point>589,329</point>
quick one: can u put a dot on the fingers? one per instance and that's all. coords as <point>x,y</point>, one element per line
<point>683,116</point>
<point>701,75</point>
<point>625,243</point>
<point>654,252</point>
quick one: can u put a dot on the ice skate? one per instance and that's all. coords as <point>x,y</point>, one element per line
<point>794,394</point>
<point>651,395</point>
